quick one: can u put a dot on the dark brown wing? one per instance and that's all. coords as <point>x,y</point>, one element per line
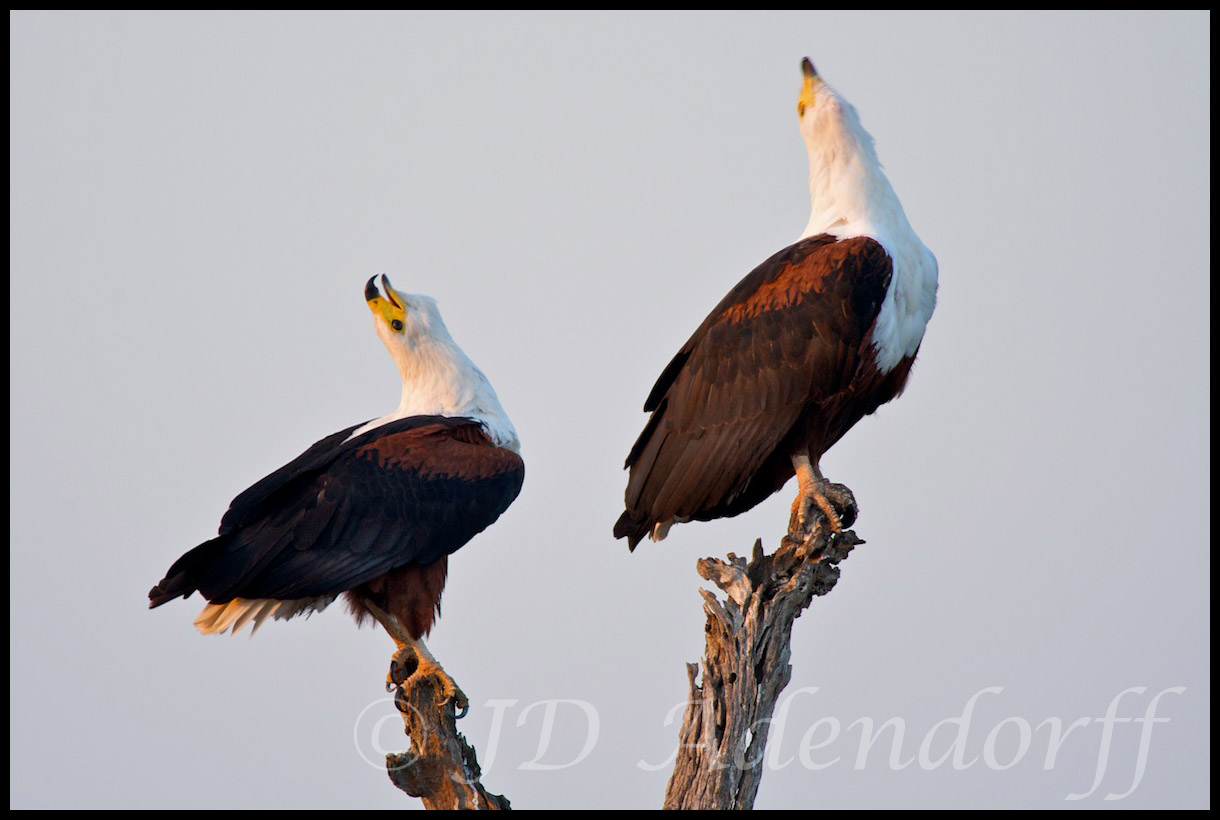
<point>347,512</point>
<point>788,338</point>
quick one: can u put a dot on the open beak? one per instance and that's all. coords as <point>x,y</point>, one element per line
<point>371,292</point>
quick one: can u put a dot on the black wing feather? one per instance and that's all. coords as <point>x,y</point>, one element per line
<point>319,454</point>
<point>346,512</point>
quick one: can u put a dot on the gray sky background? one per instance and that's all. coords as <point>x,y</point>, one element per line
<point>196,201</point>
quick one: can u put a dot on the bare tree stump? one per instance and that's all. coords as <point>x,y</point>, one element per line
<point>440,768</point>
<point>745,664</point>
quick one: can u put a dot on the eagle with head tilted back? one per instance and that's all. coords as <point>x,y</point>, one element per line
<point>371,512</point>
<point>811,341</point>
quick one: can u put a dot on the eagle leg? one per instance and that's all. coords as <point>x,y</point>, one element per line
<point>835,502</point>
<point>412,663</point>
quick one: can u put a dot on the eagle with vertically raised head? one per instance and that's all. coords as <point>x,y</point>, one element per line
<point>811,341</point>
<point>371,512</point>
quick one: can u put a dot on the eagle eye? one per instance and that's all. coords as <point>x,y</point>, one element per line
<point>396,324</point>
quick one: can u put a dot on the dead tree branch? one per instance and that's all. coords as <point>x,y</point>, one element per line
<point>440,768</point>
<point>745,664</point>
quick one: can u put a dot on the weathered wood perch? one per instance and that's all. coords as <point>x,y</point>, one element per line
<point>745,663</point>
<point>440,768</point>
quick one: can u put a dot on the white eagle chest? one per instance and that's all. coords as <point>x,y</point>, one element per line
<point>908,303</point>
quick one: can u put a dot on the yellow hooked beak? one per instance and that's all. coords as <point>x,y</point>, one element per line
<point>805,102</point>
<point>391,308</point>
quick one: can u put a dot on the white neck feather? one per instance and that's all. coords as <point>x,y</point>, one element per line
<point>438,378</point>
<point>850,194</point>
<point>851,197</point>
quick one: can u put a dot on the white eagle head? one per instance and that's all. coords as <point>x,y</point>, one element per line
<point>438,379</point>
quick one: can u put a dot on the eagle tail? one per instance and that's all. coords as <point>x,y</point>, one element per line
<point>631,528</point>
<point>182,579</point>
<point>231,616</point>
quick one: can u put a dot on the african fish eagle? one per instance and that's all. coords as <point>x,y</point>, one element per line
<point>811,341</point>
<point>372,511</point>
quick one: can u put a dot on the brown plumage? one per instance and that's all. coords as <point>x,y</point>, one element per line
<point>412,594</point>
<point>783,366</point>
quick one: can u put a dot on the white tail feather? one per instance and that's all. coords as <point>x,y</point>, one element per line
<point>233,615</point>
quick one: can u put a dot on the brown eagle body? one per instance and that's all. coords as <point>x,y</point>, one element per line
<point>375,516</point>
<point>783,365</point>
<point>814,339</point>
